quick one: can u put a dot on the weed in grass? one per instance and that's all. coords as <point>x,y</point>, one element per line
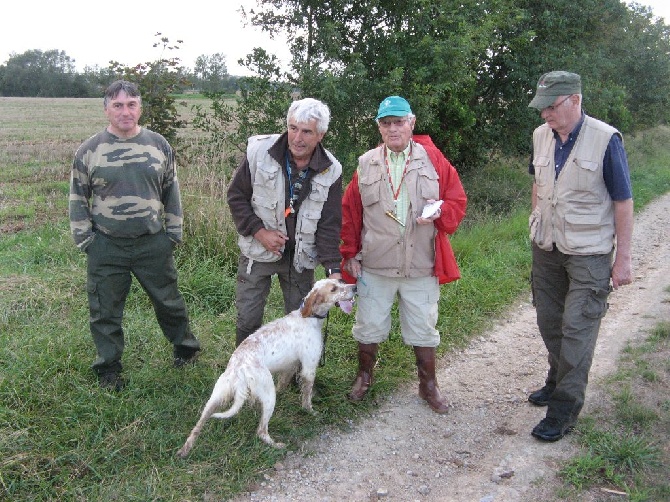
<point>610,457</point>
<point>660,333</point>
<point>585,470</point>
<point>649,375</point>
<point>628,453</point>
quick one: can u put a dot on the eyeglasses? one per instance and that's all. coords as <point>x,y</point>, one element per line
<point>551,108</point>
<point>396,122</point>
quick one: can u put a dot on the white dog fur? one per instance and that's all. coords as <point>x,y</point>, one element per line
<point>280,348</point>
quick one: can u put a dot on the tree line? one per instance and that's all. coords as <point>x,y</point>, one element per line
<point>53,74</point>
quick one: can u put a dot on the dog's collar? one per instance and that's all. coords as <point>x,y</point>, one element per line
<point>302,306</point>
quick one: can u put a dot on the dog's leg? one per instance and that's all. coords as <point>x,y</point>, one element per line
<point>267,397</point>
<point>283,379</point>
<point>207,412</point>
<point>221,394</point>
<point>307,377</point>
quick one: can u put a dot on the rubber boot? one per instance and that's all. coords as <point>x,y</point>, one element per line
<point>367,355</point>
<point>428,390</point>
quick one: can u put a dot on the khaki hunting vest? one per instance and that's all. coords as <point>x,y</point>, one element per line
<point>574,211</point>
<point>268,199</point>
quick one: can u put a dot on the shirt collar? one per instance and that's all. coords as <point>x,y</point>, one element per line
<point>395,156</point>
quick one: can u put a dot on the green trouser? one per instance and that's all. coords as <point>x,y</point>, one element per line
<point>111,261</point>
<point>570,295</point>
<point>253,287</point>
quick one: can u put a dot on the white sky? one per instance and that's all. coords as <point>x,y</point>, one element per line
<point>93,33</point>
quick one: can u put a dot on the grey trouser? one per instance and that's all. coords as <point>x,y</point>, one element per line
<point>417,306</point>
<point>111,261</point>
<point>570,296</point>
<point>253,287</point>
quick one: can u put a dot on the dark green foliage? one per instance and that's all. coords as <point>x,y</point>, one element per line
<point>43,74</point>
<point>470,68</point>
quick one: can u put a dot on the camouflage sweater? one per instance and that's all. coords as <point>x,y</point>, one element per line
<point>124,188</point>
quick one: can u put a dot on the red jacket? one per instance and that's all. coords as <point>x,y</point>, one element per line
<point>453,211</point>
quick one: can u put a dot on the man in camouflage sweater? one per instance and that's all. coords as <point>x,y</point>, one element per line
<point>125,213</point>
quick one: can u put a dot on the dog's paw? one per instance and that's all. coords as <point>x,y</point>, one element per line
<point>271,442</point>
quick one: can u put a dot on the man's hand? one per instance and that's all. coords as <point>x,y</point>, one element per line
<point>272,240</point>
<point>425,221</point>
<point>622,272</point>
<point>353,267</point>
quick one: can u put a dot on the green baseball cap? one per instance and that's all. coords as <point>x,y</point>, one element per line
<point>554,84</point>
<point>393,106</point>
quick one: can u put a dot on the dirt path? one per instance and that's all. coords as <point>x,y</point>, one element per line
<point>482,450</point>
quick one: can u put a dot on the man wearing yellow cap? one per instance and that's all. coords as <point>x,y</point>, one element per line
<point>581,229</point>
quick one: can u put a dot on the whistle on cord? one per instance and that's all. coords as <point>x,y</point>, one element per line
<point>390,214</point>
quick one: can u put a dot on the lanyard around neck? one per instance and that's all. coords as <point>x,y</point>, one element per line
<point>291,186</point>
<point>395,191</point>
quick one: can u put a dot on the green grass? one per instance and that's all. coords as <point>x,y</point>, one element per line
<point>61,437</point>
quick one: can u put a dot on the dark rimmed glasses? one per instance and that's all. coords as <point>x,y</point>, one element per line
<point>552,108</point>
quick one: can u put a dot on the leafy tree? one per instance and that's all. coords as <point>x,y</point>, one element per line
<point>469,67</point>
<point>158,80</point>
<point>643,54</point>
<point>211,74</point>
<point>260,109</point>
<point>353,54</point>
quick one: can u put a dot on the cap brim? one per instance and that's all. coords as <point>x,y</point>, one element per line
<point>392,113</point>
<point>541,102</point>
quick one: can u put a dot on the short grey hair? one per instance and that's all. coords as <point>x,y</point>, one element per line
<point>116,87</point>
<point>308,109</point>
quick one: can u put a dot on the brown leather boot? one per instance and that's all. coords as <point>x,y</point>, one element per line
<point>428,390</point>
<point>367,355</point>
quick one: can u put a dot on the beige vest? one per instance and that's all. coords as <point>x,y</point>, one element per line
<point>268,204</point>
<point>574,211</point>
<point>386,249</point>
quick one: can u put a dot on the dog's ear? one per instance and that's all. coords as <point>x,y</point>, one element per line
<point>313,299</point>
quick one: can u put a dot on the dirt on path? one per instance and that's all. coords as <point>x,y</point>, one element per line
<point>482,450</point>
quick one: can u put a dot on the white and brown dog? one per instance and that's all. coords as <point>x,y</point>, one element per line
<point>280,348</point>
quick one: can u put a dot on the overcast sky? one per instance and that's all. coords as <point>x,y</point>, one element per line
<point>93,33</point>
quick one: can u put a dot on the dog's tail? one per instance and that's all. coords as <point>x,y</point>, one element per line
<point>237,389</point>
<point>238,402</point>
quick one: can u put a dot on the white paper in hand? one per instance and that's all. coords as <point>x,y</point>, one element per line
<point>430,209</point>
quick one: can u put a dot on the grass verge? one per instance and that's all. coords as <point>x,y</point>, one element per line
<point>625,443</point>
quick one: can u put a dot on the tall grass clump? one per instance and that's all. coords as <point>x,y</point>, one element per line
<point>649,160</point>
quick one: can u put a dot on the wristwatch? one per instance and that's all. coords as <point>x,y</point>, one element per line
<point>332,271</point>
